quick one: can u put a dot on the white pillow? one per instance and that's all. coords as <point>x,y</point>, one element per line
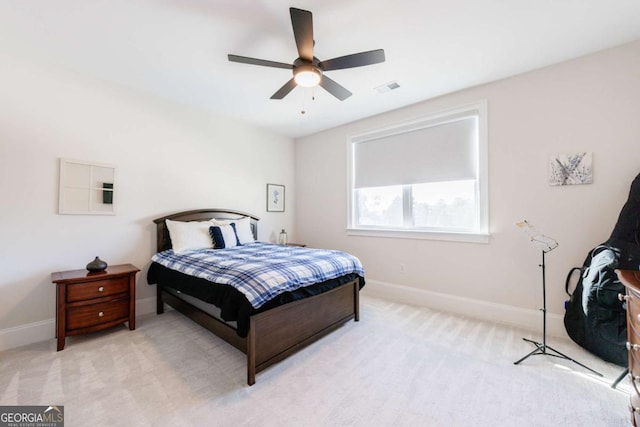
<point>243,228</point>
<point>189,235</point>
<point>223,236</point>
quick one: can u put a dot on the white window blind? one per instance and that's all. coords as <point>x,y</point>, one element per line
<point>435,153</point>
<point>425,178</point>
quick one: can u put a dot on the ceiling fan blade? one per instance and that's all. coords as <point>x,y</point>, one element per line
<point>302,22</point>
<point>334,88</point>
<point>254,61</point>
<point>353,60</point>
<point>284,90</point>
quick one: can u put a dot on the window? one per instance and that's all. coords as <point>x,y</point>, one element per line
<point>427,178</point>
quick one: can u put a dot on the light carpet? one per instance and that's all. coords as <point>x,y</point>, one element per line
<point>399,366</point>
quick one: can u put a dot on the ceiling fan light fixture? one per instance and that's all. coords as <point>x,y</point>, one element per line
<point>308,71</point>
<point>307,75</point>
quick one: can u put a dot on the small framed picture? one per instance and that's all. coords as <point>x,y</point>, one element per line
<point>275,198</point>
<point>571,169</point>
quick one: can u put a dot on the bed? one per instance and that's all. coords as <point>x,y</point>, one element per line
<point>269,334</point>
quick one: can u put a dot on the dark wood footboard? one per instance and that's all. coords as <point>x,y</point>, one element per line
<point>275,334</point>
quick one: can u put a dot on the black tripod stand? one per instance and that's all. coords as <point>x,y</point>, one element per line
<point>543,348</point>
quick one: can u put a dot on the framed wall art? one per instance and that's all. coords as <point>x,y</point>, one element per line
<point>571,169</point>
<point>275,198</point>
<point>86,188</point>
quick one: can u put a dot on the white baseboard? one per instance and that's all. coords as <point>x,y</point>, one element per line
<point>19,336</point>
<point>44,330</point>
<point>145,306</point>
<point>499,313</point>
<point>27,334</point>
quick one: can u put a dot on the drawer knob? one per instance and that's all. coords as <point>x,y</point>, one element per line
<point>622,297</point>
<point>634,347</point>
<point>101,289</point>
<point>101,314</point>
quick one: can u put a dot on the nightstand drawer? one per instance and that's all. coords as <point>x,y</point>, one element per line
<point>97,289</point>
<point>96,314</point>
<point>633,321</point>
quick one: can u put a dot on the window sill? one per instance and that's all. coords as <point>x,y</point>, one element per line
<point>421,235</point>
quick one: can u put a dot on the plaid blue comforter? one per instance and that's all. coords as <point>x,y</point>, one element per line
<point>260,271</point>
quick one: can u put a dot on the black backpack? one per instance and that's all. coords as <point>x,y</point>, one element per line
<point>595,318</point>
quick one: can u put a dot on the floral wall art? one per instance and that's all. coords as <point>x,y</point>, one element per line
<point>275,198</point>
<point>571,169</point>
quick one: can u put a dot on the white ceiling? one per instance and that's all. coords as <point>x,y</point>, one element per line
<point>177,49</point>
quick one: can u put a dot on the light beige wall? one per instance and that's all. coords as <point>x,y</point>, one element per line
<point>588,104</point>
<point>168,158</point>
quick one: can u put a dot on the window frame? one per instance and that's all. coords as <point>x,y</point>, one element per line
<point>479,235</point>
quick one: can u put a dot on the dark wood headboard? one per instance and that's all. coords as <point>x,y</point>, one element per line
<point>164,241</point>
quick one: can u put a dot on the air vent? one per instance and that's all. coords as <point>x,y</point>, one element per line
<point>387,87</point>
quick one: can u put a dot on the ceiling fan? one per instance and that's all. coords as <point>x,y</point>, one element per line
<point>308,71</point>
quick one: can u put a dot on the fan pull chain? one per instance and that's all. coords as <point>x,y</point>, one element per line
<point>304,97</point>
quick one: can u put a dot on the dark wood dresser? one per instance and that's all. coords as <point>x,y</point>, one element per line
<point>89,302</point>
<point>631,281</point>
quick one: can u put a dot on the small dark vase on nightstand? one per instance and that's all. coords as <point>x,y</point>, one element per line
<point>97,265</point>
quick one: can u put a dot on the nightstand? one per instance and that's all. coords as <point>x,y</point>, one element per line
<point>89,302</point>
<point>297,244</point>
